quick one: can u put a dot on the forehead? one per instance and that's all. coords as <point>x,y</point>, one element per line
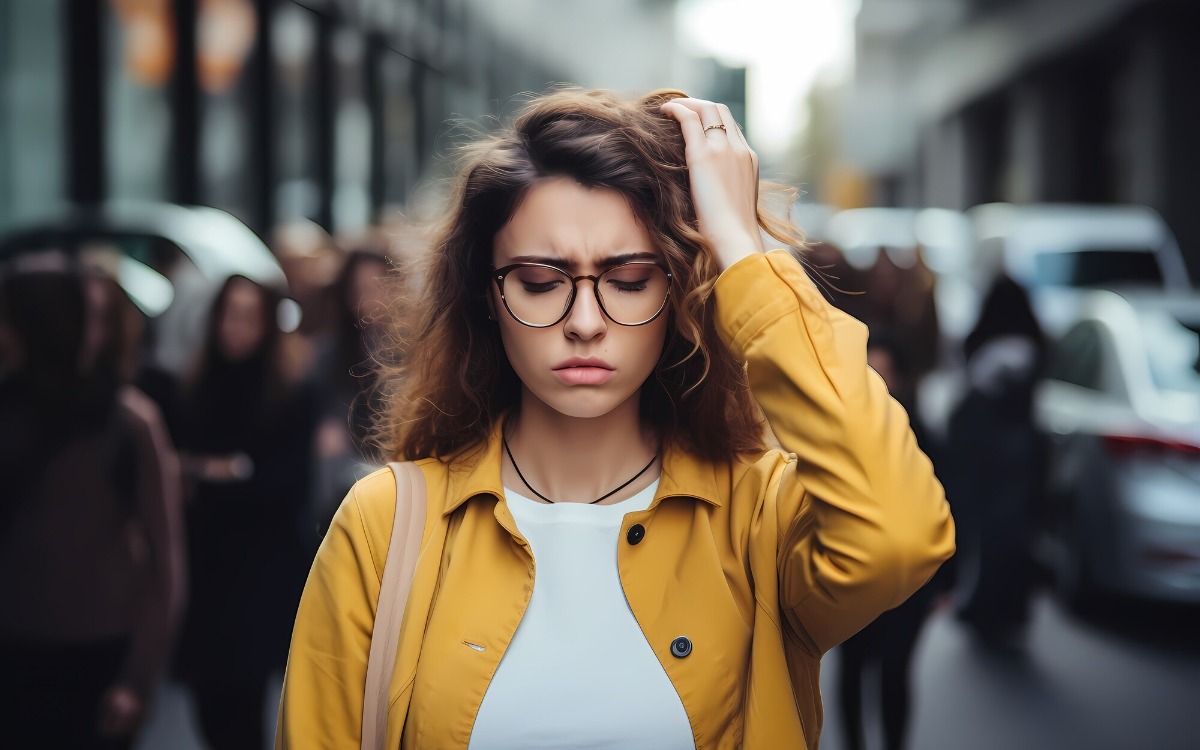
<point>561,219</point>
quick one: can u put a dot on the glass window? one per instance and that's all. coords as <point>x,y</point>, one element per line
<point>401,155</point>
<point>31,109</point>
<point>352,134</point>
<point>226,35</point>
<point>140,58</point>
<point>1078,358</point>
<point>293,54</point>
<point>1098,268</point>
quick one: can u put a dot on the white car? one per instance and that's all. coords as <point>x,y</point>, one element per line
<point>1055,251</point>
<point>1122,408</point>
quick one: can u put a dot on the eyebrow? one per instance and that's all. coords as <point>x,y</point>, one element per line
<point>570,265</point>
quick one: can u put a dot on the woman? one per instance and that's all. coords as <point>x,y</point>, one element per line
<point>247,432</point>
<point>91,553</point>
<point>347,377</point>
<point>599,314</point>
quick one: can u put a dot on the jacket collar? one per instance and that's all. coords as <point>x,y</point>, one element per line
<point>477,472</point>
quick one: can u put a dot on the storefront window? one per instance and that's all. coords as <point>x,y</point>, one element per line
<point>31,109</point>
<point>140,49</point>
<point>293,59</point>
<point>226,34</point>
<point>401,155</point>
<point>352,134</point>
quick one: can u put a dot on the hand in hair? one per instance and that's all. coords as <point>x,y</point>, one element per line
<point>723,172</point>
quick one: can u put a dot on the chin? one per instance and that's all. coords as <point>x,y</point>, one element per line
<point>583,402</point>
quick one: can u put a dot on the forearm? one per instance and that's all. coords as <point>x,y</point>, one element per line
<point>864,521</point>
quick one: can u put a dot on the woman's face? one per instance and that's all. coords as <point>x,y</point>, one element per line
<point>583,230</point>
<point>241,326</point>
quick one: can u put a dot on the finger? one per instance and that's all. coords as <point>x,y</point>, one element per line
<point>709,114</point>
<point>736,136</point>
<point>688,119</point>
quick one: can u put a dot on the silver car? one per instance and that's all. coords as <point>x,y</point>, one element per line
<point>1122,407</point>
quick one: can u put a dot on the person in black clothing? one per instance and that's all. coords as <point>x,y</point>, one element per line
<point>91,554</point>
<point>887,643</point>
<point>247,432</point>
<point>995,467</point>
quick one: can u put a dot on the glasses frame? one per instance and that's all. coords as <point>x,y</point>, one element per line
<point>499,274</point>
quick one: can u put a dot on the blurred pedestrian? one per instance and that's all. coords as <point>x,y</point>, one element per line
<point>900,298</point>
<point>346,376</point>
<point>841,283</point>
<point>886,645</point>
<point>91,550</point>
<point>995,466</point>
<point>246,433</point>
<point>611,556</point>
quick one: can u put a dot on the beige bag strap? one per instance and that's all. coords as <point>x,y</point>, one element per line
<point>398,570</point>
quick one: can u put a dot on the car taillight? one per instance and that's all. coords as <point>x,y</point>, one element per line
<point>1123,445</point>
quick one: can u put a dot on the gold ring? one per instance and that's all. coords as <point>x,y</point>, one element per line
<point>714,127</point>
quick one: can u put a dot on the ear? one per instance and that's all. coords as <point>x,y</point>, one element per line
<point>491,305</point>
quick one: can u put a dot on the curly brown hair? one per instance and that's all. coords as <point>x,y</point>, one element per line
<point>452,380</point>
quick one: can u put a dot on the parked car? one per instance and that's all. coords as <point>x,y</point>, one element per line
<point>1056,251</point>
<point>1121,405</point>
<point>170,259</point>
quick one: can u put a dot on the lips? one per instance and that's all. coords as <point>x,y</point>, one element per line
<point>583,371</point>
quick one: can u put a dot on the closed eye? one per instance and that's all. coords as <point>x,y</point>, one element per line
<point>540,287</point>
<point>629,286</point>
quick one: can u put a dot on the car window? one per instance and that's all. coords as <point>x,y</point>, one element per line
<point>1079,357</point>
<point>1098,268</point>
<point>1173,352</point>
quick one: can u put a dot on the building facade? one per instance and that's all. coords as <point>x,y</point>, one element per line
<point>281,110</point>
<point>960,102</point>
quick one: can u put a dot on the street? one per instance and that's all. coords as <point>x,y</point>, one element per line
<point>1127,679</point>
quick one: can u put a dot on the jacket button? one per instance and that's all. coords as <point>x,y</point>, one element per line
<point>637,533</point>
<point>681,647</point>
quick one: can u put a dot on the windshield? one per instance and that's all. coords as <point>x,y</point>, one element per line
<point>1173,351</point>
<point>1098,268</point>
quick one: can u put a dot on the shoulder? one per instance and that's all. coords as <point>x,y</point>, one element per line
<point>141,414</point>
<point>369,510</point>
<point>138,406</point>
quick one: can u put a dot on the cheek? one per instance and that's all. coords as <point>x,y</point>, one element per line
<point>519,345</point>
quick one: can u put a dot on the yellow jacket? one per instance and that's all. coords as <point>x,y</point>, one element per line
<point>764,564</point>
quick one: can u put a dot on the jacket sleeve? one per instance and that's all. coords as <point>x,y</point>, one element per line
<point>322,701</point>
<point>863,522</point>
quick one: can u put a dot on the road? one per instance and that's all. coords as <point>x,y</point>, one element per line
<point>1126,679</point>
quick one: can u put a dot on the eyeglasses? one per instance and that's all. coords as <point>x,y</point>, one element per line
<point>539,296</point>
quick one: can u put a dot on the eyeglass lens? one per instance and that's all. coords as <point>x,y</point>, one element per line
<point>630,294</point>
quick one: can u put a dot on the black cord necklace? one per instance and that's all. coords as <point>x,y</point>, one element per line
<point>602,497</point>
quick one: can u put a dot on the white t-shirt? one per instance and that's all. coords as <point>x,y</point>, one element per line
<point>579,672</point>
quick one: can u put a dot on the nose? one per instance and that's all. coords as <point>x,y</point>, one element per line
<point>585,320</point>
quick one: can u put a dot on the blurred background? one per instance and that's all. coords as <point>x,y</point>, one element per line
<point>200,199</point>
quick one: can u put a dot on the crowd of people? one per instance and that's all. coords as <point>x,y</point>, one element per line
<point>157,524</point>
